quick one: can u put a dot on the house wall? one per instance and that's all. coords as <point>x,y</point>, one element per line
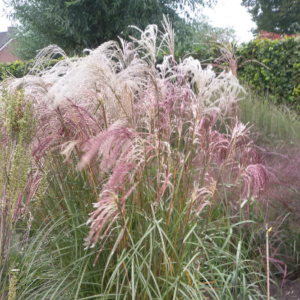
<point>6,55</point>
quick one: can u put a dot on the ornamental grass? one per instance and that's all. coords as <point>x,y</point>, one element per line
<point>134,181</point>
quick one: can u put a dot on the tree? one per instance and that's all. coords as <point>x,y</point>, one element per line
<point>279,16</point>
<point>79,24</point>
<point>198,36</point>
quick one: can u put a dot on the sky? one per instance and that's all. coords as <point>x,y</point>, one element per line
<point>230,13</point>
<point>227,13</point>
<point>4,22</point>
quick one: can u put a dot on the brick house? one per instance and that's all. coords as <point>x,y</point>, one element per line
<point>6,42</point>
<point>274,36</point>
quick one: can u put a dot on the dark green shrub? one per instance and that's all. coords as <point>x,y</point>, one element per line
<point>17,69</point>
<point>282,80</point>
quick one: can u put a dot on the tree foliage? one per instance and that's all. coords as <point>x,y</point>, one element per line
<point>78,24</point>
<point>280,16</point>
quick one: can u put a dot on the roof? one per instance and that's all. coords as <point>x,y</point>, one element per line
<point>5,39</point>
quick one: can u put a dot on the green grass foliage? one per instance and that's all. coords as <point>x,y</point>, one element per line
<point>273,123</point>
<point>282,80</point>
<point>160,256</point>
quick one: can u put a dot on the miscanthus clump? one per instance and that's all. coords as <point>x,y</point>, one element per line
<point>157,162</point>
<point>136,122</point>
<point>152,142</point>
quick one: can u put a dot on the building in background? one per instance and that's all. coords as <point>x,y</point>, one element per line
<point>6,43</point>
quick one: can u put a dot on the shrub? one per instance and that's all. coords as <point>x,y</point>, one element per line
<point>282,81</point>
<point>19,69</point>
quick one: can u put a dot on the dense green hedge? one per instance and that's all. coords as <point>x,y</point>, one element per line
<point>282,81</point>
<point>17,69</point>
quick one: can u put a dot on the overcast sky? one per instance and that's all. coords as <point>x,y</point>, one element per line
<point>4,23</point>
<point>230,13</point>
<point>227,13</point>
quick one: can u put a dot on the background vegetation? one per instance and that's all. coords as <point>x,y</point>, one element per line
<point>282,79</point>
<point>18,69</point>
<point>279,16</point>
<point>76,25</point>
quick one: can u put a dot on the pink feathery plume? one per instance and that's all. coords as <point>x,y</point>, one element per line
<point>109,207</point>
<point>202,199</point>
<point>256,179</point>
<point>30,189</point>
<point>43,145</point>
<point>66,124</point>
<point>110,144</point>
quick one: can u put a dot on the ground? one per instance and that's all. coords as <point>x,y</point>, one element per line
<point>289,291</point>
